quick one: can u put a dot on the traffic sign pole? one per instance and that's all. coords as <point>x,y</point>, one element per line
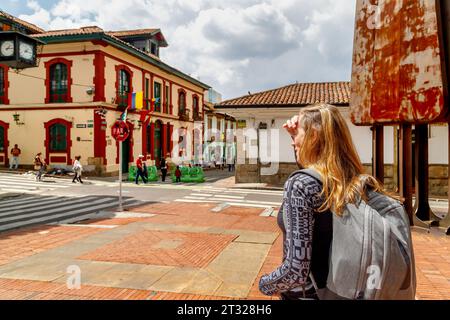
<point>120,132</point>
<point>120,176</point>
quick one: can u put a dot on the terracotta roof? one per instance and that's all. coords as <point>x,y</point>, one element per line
<point>70,32</point>
<point>27,25</point>
<point>54,37</point>
<point>139,32</point>
<point>337,93</point>
<point>128,33</point>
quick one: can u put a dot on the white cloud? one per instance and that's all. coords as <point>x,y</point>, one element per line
<point>236,45</point>
<point>40,16</point>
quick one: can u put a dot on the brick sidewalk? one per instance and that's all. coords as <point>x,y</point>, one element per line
<point>183,252</point>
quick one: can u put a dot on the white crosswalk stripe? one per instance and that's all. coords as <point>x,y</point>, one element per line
<point>27,210</point>
<point>26,183</point>
<point>231,197</point>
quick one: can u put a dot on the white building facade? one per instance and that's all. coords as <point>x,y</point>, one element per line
<point>265,153</point>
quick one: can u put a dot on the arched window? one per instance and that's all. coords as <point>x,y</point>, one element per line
<point>196,108</point>
<point>182,102</point>
<point>59,84</point>
<point>58,138</point>
<point>123,85</point>
<point>124,82</point>
<point>2,139</point>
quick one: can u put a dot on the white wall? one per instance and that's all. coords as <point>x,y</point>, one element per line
<point>362,138</point>
<point>438,145</point>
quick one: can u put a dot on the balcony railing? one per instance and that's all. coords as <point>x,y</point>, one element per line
<point>184,114</point>
<point>198,116</point>
<point>122,99</point>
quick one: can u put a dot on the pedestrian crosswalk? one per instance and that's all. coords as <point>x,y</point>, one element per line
<point>234,197</point>
<point>26,183</point>
<point>27,210</point>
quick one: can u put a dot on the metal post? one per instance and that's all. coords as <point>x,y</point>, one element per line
<point>378,152</point>
<point>422,206</point>
<point>120,176</point>
<point>395,167</point>
<point>405,183</point>
<point>445,223</point>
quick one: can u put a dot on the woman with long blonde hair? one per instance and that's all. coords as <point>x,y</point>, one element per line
<point>322,141</point>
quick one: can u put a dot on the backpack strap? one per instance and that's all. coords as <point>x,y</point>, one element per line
<point>310,172</point>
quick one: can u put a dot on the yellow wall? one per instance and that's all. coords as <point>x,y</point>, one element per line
<point>82,74</point>
<point>27,89</point>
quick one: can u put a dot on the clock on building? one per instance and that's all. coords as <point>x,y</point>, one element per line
<point>18,50</point>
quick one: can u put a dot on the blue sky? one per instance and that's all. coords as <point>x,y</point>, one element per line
<point>235,46</point>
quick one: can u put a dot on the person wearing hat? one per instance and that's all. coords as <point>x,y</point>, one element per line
<point>140,169</point>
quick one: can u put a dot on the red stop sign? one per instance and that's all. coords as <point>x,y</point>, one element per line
<point>120,130</point>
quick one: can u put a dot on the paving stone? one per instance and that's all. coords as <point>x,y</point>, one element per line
<point>34,269</point>
<point>143,278</point>
<point>257,237</point>
<point>176,280</point>
<point>174,228</point>
<point>241,257</point>
<point>203,283</point>
<point>233,290</point>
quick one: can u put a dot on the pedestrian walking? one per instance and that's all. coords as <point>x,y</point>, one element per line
<point>40,166</point>
<point>144,165</point>
<point>15,152</point>
<point>339,240</point>
<point>178,174</point>
<point>164,168</point>
<point>77,168</point>
<point>140,170</point>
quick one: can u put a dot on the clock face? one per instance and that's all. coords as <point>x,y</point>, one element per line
<point>7,48</point>
<point>26,51</point>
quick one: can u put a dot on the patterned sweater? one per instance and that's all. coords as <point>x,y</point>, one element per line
<point>296,220</point>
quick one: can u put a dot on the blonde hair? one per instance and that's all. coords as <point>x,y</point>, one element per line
<point>328,148</point>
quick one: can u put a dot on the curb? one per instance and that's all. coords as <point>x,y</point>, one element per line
<point>9,195</point>
<point>259,188</point>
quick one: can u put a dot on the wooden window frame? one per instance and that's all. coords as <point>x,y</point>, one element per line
<point>48,66</point>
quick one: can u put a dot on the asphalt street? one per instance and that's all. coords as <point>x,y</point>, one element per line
<point>25,202</point>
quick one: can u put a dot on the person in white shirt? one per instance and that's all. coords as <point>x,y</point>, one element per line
<point>77,168</point>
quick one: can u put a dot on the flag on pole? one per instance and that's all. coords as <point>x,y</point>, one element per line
<point>144,114</point>
<point>133,101</point>
<point>139,100</point>
<point>123,117</point>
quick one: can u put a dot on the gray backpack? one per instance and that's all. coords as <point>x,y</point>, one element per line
<point>371,254</point>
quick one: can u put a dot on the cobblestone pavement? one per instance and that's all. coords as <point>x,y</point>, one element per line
<point>171,251</point>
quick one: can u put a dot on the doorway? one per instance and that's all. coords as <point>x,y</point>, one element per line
<point>158,145</point>
<point>125,155</point>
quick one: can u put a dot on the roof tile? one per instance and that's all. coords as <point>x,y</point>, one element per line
<point>127,33</point>
<point>26,24</point>
<point>70,32</point>
<point>296,94</point>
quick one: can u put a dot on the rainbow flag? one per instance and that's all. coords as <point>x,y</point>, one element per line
<point>137,101</point>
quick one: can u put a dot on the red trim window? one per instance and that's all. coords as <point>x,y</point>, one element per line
<point>4,143</point>
<point>196,107</point>
<point>182,110</point>
<point>58,137</point>
<point>166,98</point>
<point>124,85</point>
<point>58,82</point>
<point>4,84</point>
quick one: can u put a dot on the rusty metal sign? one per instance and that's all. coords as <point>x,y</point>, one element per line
<point>397,74</point>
